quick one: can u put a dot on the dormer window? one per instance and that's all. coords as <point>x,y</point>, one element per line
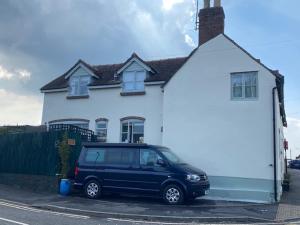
<point>78,85</point>
<point>133,81</point>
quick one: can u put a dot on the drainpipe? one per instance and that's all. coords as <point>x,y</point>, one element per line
<point>274,145</point>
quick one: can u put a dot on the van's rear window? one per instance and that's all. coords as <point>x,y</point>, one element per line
<point>112,156</point>
<point>95,155</point>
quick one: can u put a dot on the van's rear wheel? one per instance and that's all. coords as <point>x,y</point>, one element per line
<point>173,195</point>
<point>92,189</point>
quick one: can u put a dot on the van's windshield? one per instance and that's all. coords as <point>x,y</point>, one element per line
<point>171,156</point>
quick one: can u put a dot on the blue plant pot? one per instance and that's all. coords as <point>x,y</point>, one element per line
<point>65,187</point>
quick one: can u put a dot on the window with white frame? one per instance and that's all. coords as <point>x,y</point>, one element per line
<point>132,131</point>
<point>101,130</point>
<point>244,85</point>
<point>78,85</point>
<point>133,81</point>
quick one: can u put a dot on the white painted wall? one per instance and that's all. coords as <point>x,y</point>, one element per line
<point>208,129</point>
<point>279,147</point>
<point>107,103</point>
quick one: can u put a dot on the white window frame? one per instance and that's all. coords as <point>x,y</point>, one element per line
<point>97,129</point>
<point>130,137</point>
<point>135,81</point>
<point>243,75</point>
<point>80,81</point>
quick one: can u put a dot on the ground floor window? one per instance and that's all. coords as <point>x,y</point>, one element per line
<point>101,130</point>
<point>132,131</point>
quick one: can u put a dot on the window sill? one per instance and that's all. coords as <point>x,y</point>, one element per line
<point>77,96</point>
<point>132,93</point>
<point>244,99</point>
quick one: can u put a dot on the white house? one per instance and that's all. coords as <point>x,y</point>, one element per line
<point>219,108</point>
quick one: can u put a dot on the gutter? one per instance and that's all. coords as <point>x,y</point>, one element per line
<point>274,145</point>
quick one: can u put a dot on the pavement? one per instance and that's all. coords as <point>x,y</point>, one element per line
<point>133,210</point>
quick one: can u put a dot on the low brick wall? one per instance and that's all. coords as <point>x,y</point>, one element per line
<point>36,183</point>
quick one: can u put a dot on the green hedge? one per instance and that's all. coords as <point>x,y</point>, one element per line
<point>34,153</point>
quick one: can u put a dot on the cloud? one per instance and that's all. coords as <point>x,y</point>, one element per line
<point>292,134</point>
<point>19,109</point>
<point>189,41</point>
<point>168,4</point>
<point>23,74</point>
<point>6,74</point>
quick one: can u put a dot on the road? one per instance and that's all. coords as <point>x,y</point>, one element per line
<point>12,213</point>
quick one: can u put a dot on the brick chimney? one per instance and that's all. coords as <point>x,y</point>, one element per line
<point>211,21</point>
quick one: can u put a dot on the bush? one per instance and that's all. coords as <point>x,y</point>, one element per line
<point>64,155</point>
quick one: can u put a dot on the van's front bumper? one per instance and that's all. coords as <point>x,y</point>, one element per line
<point>198,189</point>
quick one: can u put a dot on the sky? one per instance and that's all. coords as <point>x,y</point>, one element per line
<point>41,39</point>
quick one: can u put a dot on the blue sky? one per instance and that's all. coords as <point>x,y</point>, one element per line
<point>41,39</point>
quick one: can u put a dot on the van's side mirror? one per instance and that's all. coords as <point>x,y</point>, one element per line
<point>161,162</point>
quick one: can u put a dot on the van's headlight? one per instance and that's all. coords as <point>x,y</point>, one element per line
<point>193,177</point>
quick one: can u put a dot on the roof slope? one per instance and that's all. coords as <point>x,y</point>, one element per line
<point>164,70</point>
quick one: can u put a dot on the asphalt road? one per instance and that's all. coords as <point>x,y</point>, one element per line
<point>12,213</point>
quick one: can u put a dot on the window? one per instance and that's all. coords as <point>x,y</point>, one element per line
<point>79,85</point>
<point>120,156</point>
<point>95,156</point>
<point>132,131</point>
<point>171,156</point>
<point>101,130</point>
<point>148,157</point>
<point>244,85</point>
<point>133,81</point>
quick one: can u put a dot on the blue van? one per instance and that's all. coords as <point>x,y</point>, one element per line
<point>137,169</point>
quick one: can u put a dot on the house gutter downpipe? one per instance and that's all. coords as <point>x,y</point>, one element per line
<point>274,145</point>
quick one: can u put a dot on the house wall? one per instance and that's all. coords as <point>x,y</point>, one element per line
<point>229,139</point>
<point>279,148</point>
<point>109,104</point>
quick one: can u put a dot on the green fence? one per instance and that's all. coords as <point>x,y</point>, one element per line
<point>34,153</point>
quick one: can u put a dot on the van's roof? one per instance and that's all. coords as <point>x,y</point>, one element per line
<point>101,144</point>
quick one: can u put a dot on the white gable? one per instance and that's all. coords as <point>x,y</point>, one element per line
<point>80,70</point>
<point>134,66</point>
<point>221,52</point>
<point>134,62</point>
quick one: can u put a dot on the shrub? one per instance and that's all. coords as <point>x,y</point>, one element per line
<point>64,155</point>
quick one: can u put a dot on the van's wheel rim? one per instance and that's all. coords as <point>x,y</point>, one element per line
<point>92,189</point>
<point>173,195</point>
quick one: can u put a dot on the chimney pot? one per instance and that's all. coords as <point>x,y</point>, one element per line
<point>217,3</point>
<point>206,4</point>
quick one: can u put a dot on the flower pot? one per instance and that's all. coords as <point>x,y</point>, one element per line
<point>286,186</point>
<point>65,187</point>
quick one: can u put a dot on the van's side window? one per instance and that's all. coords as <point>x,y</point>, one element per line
<point>148,157</point>
<point>95,156</point>
<point>120,156</point>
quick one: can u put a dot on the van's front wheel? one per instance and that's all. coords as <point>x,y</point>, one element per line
<point>92,189</point>
<point>173,195</point>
